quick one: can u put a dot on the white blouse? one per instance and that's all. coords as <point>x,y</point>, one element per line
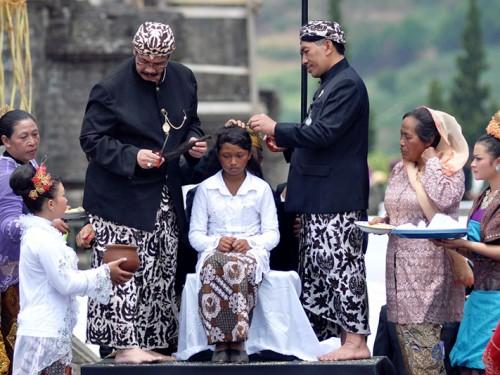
<point>250,215</point>
<point>49,280</point>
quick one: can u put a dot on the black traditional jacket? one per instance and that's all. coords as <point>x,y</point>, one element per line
<point>328,166</point>
<point>124,115</point>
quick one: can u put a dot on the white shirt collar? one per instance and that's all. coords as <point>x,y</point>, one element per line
<point>217,183</point>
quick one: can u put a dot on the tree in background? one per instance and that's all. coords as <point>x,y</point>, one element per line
<point>336,15</point>
<point>435,98</point>
<point>335,12</point>
<point>372,131</point>
<point>468,98</point>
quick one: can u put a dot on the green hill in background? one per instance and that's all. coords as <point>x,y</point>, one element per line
<point>397,46</point>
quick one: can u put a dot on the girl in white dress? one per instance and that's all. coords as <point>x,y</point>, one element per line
<point>233,227</point>
<point>49,278</point>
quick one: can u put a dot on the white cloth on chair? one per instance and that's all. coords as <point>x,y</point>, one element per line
<point>279,322</point>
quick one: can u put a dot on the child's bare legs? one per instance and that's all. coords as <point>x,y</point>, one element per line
<point>221,353</point>
<point>237,352</point>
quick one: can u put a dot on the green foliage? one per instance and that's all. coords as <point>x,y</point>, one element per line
<point>447,36</point>
<point>335,11</point>
<point>468,98</point>
<point>379,161</point>
<point>395,45</point>
<point>436,96</point>
<point>387,81</point>
<point>372,132</point>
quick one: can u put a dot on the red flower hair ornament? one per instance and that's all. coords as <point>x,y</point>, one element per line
<point>42,182</point>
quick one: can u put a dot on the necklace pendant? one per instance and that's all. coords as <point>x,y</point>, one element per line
<point>166,128</point>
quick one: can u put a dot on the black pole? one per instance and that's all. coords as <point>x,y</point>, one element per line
<point>303,71</point>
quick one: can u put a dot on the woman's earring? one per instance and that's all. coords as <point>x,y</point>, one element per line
<point>498,168</point>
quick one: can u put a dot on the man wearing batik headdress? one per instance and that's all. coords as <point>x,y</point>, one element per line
<point>133,195</point>
<point>328,186</point>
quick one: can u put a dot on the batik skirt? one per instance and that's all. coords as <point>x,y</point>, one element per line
<point>227,296</point>
<point>57,368</point>
<point>142,312</point>
<point>421,348</point>
<point>333,274</point>
<point>9,311</point>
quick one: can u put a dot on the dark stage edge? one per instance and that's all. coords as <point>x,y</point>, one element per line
<point>375,366</point>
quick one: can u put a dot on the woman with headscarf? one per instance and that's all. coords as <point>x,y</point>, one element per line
<point>21,138</point>
<point>482,246</point>
<point>421,293</point>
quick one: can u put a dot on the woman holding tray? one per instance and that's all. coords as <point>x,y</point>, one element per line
<point>482,246</point>
<point>421,293</point>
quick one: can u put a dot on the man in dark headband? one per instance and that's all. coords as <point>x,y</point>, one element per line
<point>328,186</point>
<point>133,195</point>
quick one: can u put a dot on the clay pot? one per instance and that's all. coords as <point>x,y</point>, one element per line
<point>116,251</point>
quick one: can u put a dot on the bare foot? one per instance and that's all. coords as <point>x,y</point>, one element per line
<point>348,351</point>
<point>134,355</point>
<point>161,357</point>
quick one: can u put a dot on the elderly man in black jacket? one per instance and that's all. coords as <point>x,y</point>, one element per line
<point>133,195</point>
<point>328,186</point>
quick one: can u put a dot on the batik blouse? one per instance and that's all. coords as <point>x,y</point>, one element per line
<point>419,278</point>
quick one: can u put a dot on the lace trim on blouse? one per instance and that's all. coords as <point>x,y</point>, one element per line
<point>33,354</point>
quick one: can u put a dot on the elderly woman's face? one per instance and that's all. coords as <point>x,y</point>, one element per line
<point>24,141</point>
<point>409,143</point>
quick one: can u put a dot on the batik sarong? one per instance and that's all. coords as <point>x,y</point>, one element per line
<point>422,349</point>
<point>9,311</point>
<point>143,311</point>
<point>333,274</point>
<point>227,296</point>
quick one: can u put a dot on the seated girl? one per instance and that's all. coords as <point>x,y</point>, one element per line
<point>233,227</point>
<point>49,279</point>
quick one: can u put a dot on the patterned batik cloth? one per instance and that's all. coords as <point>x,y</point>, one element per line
<point>142,312</point>
<point>333,274</point>
<point>4,359</point>
<point>57,368</point>
<point>421,348</point>
<point>9,312</point>
<point>227,296</point>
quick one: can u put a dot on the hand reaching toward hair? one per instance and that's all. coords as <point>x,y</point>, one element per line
<point>429,153</point>
<point>234,122</point>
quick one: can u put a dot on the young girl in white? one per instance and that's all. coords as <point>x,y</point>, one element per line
<point>233,227</point>
<point>49,279</point>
